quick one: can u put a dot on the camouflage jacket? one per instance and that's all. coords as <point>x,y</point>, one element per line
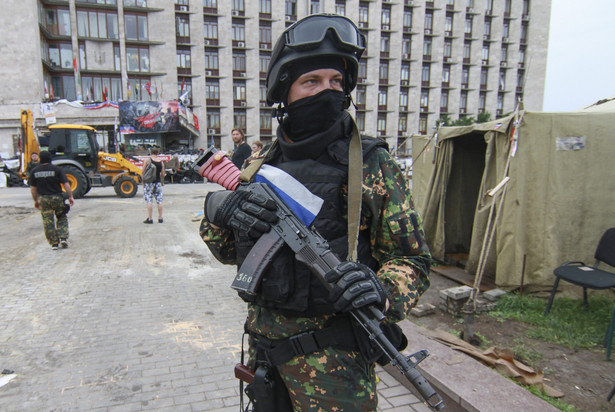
<point>396,238</point>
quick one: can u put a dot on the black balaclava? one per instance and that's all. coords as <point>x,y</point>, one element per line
<point>317,113</point>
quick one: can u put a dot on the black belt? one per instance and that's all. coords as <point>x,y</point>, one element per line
<point>276,352</point>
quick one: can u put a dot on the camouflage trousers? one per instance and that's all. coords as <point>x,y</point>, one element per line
<point>332,380</point>
<point>55,221</point>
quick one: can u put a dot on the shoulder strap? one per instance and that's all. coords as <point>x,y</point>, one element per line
<point>355,188</point>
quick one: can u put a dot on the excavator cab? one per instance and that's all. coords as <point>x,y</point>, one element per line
<point>74,143</point>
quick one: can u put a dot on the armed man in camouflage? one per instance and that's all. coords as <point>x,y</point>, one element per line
<point>46,182</point>
<point>314,356</point>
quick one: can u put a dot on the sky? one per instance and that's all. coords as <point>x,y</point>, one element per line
<point>581,54</point>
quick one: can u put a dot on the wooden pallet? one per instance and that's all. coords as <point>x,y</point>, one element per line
<point>461,276</point>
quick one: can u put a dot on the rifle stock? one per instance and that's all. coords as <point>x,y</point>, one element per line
<point>312,249</point>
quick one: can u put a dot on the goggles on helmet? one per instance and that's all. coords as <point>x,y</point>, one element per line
<point>311,31</point>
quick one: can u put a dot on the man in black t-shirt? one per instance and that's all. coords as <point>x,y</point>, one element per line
<point>46,182</point>
<point>242,149</point>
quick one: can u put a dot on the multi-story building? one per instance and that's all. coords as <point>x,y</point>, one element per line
<point>424,60</point>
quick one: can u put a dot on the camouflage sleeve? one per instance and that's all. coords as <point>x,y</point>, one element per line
<point>396,234</point>
<point>221,242</point>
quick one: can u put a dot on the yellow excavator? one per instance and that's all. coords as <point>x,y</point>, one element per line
<point>74,148</point>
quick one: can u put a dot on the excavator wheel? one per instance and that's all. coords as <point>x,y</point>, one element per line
<point>77,180</point>
<point>126,186</point>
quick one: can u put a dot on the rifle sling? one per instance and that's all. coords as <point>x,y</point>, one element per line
<point>355,185</point>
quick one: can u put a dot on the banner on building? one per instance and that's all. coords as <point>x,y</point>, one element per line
<point>144,117</point>
<point>49,112</point>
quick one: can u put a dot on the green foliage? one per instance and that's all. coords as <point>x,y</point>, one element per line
<point>463,121</point>
<point>483,117</point>
<point>567,324</point>
<point>559,404</point>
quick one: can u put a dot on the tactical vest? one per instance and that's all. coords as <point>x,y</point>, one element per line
<point>288,286</point>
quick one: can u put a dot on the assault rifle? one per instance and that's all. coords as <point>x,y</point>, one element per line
<point>311,249</point>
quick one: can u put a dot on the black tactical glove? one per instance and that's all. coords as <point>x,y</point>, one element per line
<point>354,285</point>
<point>241,210</point>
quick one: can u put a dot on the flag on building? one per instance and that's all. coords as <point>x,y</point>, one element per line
<point>46,91</point>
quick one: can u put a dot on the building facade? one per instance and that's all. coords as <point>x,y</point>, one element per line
<point>424,60</point>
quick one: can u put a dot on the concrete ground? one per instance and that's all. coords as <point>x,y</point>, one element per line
<point>131,317</point>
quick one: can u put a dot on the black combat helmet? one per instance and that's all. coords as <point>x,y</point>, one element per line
<point>317,35</point>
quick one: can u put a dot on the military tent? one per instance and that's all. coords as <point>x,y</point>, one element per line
<point>542,183</point>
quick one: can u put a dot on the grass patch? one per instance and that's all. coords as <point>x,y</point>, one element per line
<point>567,324</point>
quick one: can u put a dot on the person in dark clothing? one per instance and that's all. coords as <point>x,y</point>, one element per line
<point>153,190</point>
<point>242,149</point>
<point>302,337</point>
<point>46,182</point>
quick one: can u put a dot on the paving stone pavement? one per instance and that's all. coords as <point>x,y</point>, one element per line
<point>131,317</point>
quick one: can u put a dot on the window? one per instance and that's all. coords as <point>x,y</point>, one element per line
<point>407,20</point>
<point>213,119</point>
<point>135,3</point>
<point>361,95</point>
<point>291,7</point>
<point>264,34</point>
<point>183,59</point>
<point>465,77</point>
<point>340,8</point>
<point>384,71</point>
<point>362,73</point>
<point>239,62</point>
<point>57,21</point>
<point>468,28</point>
<point>60,55</point>
<point>424,98</point>
<point>184,86</point>
<point>526,7</point>
<point>426,73</point>
<point>485,52</point>
<point>423,125</point>
<point>210,29</point>
<point>382,123</point>
<point>382,97</point>
<point>97,24</point>
<point>521,55</point>
<point>483,77</point>
<point>211,59</point>
<point>506,30</point>
<point>403,98</point>
<point>238,5</point>
<point>488,6</point>
<point>406,46</point>
<point>504,56</point>
<point>524,30</point>
<point>136,27</point>
<point>403,124</point>
<point>212,89</point>
<point>429,20</point>
<point>467,50</point>
<point>427,46</point>
<point>265,119</point>
<point>405,72</point>
<point>117,62</point>
<point>463,102</point>
<point>482,97</point>
<point>262,91</point>
<point>210,4</point>
<point>384,43</point>
<point>444,101</point>
<point>500,103</point>
<point>385,17</point>
<point>363,15</point>
<point>239,119</point>
<point>239,32</point>
<point>264,6</point>
<point>448,23</point>
<point>507,6</point>
<point>446,74</point>
<point>314,6</point>
<point>182,26</point>
<point>502,83</point>
<point>360,118</point>
<point>448,47</point>
<point>264,63</point>
<point>137,59</point>
<point>487,27</point>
